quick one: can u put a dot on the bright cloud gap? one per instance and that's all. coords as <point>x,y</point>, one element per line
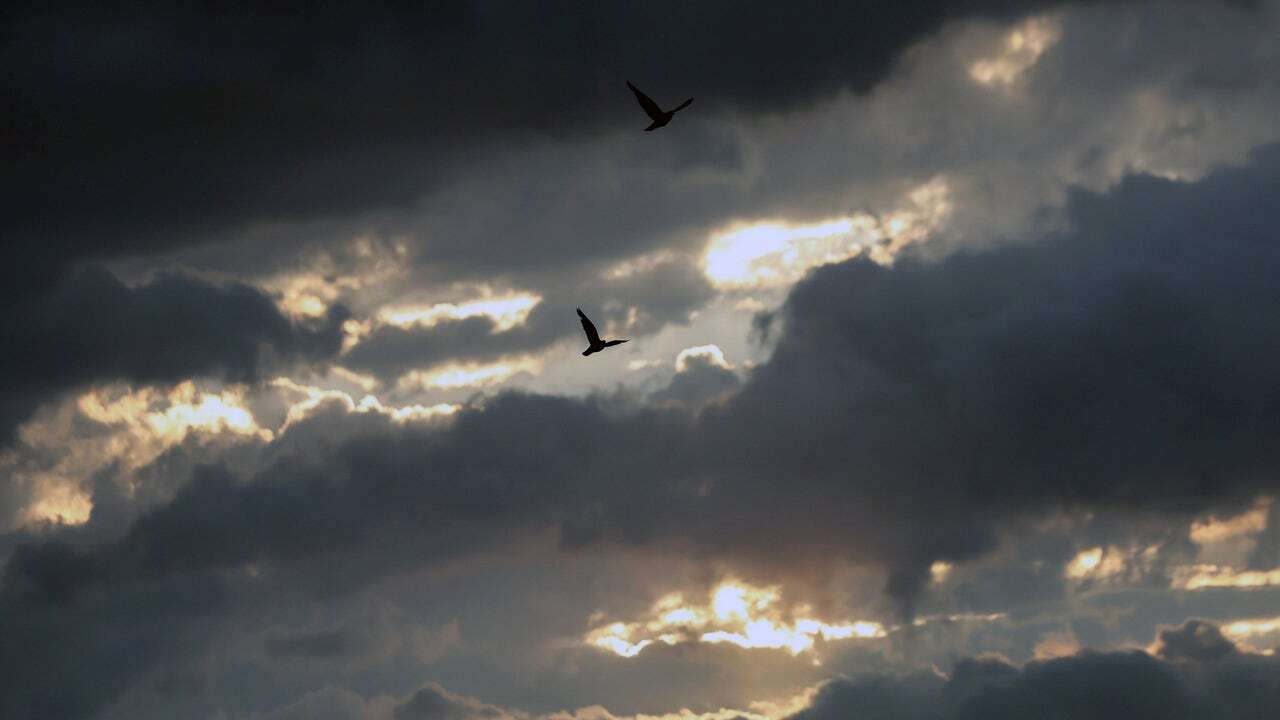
<point>506,312</point>
<point>737,613</point>
<point>776,253</point>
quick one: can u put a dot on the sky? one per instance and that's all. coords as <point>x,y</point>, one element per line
<point>951,389</point>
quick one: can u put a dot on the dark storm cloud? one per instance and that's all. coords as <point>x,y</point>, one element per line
<point>91,328</point>
<point>323,517</point>
<point>1092,686</point>
<point>907,414</point>
<point>1126,363</point>
<point>65,657</point>
<point>134,130</point>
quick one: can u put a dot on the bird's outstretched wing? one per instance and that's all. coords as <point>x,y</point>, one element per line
<point>650,107</point>
<point>683,105</point>
<point>593,336</point>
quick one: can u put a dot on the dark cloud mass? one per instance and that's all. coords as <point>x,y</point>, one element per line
<point>132,130</point>
<point>1064,386</point>
<point>1124,363</point>
<point>925,404</point>
<point>1087,686</point>
<point>93,328</point>
<point>435,703</point>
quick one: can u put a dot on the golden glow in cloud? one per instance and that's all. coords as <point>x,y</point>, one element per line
<point>1023,46</point>
<point>59,503</point>
<point>776,253</point>
<point>1193,577</point>
<point>1217,530</point>
<point>639,265</point>
<point>1111,563</point>
<point>1260,635</point>
<point>1252,627</point>
<point>939,571</point>
<point>1230,541</point>
<point>506,312</point>
<point>135,427</point>
<point>187,410</point>
<point>1060,643</point>
<point>365,261</point>
<point>736,613</point>
<point>1084,563</point>
<point>458,375</point>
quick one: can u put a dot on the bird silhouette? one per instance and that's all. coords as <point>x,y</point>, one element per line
<point>659,116</point>
<point>593,336</point>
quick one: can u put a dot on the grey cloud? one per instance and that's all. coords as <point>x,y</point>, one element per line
<point>433,702</point>
<point>1194,641</point>
<point>907,414</point>
<point>137,131</point>
<point>700,381</point>
<point>1122,364</point>
<point>1088,685</point>
<point>384,498</point>
<point>332,703</point>
<point>316,644</point>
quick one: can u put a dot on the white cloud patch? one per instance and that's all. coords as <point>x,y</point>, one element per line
<point>711,354</point>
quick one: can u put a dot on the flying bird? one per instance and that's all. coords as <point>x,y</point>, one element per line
<point>659,116</point>
<point>593,336</point>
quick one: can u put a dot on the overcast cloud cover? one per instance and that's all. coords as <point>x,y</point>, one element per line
<point>951,392</point>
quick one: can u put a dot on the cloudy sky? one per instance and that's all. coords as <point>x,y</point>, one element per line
<point>953,388</point>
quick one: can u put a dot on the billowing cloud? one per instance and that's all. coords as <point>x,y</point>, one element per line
<point>953,335</point>
<point>1193,673</point>
<point>931,378</point>
<point>93,328</point>
<point>308,115</point>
